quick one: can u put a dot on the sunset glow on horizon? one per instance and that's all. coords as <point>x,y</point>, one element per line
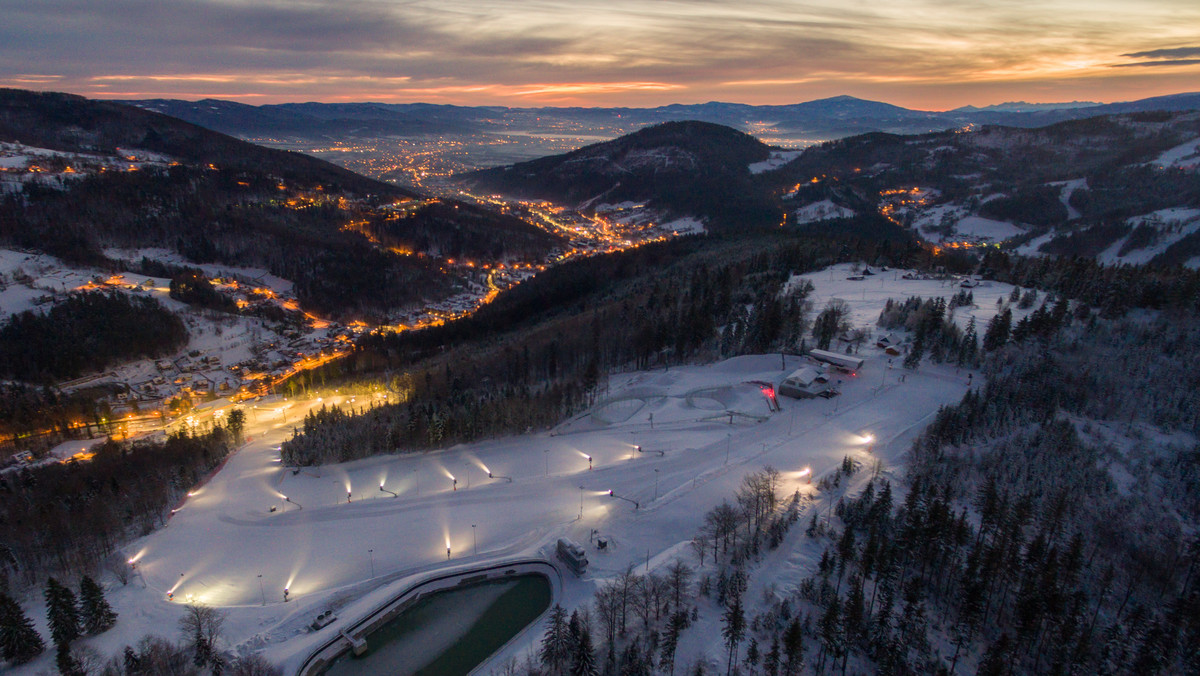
<point>923,54</point>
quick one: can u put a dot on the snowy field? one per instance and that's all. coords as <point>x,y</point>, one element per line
<point>341,542</point>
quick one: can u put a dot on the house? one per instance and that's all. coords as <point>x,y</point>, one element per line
<point>890,340</point>
<point>804,383</point>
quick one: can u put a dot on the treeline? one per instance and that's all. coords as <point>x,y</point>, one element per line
<point>86,332</point>
<point>66,519</point>
<point>665,306</point>
<point>1114,290</point>
<point>26,409</point>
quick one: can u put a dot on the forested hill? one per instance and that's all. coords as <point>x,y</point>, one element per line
<point>1118,188</point>
<point>692,168</point>
<point>71,123</point>
<point>82,176</point>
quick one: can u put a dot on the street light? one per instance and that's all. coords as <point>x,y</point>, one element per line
<point>546,455</point>
<point>262,590</point>
<point>728,444</point>
<point>655,483</point>
<point>371,553</point>
<point>474,542</point>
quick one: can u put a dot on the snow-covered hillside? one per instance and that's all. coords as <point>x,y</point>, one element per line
<point>700,429</point>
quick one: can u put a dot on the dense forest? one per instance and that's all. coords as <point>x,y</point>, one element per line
<point>540,352</point>
<point>1044,525</point>
<point>84,333</point>
<point>67,519</point>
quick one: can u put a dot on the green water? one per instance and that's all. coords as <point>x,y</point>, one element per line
<point>450,632</point>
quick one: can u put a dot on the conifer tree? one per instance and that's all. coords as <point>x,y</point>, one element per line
<point>556,644</point>
<point>998,330</point>
<point>583,658</point>
<point>98,616</point>
<point>62,613</point>
<point>19,641</point>
<point>734,629</point>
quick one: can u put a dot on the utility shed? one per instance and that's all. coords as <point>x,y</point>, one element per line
<point>804,383</point>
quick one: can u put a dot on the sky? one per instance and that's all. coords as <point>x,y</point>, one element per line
<point>924,54</point>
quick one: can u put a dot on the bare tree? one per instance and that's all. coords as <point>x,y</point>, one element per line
<point>201,629</point>
<point>253,665</point>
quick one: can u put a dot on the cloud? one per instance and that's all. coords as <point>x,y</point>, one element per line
<point>580,52</point>
<point>1165,62</point>
<point>1173,53</point>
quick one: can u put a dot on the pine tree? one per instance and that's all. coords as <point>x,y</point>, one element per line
<point>913,359</point>
<point>98,616</point>
<point>62,613</point>
<point>19,641</point>
<point>998,330</point>
<point>793,648</point>
<point>734,629</point>
<point>583,658</point>
<point>556,644</point>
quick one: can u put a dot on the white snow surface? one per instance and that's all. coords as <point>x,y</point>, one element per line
<point>1069,187</point>
<point>986,228</point>
<point>1172,224</point>
<point>1184,156</point>
<point>777,159</point>
<point>223,537</point>
<point>684,226</point>
<point>821,211</point>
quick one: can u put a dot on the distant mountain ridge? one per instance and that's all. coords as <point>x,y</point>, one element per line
<point>821,119</point>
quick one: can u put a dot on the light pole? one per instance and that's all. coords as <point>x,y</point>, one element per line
<point>262,590</point>
<point>371,553</point>
<point>656,483</point>
<point>416,482</point>
<point>728,444</point>
<point>581,503</point>
<point>468,475</point>
<point>589,462</point>
<point>546,455</point>
<point>474,542</point>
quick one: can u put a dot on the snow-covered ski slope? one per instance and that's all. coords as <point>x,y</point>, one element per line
<point>351,554</point>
